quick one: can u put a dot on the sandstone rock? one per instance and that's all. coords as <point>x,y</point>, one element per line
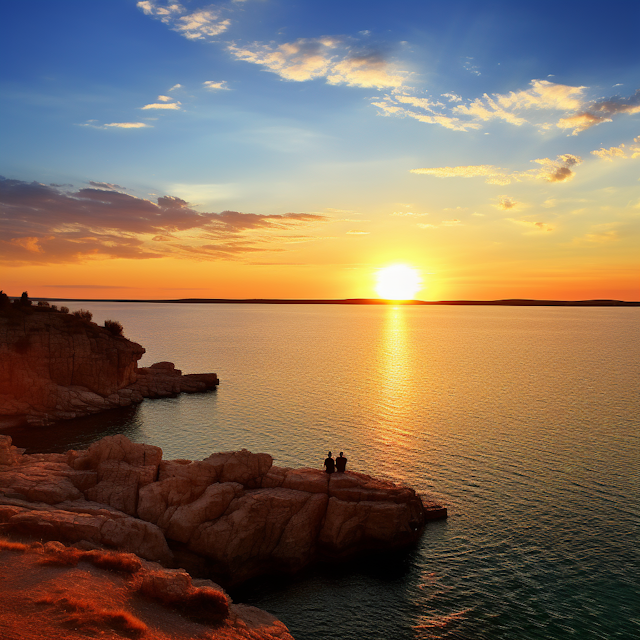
<point>54,366</point>
<point>9,455</point>
<point>118,448</point>
<point>232,513</point>
<point>80,520</point>
<point>260,530</point>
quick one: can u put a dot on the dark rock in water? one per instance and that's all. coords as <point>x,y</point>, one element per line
<point>234,515</point>
<point>55,366</point>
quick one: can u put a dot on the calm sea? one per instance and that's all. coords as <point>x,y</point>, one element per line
<point>524,421</point>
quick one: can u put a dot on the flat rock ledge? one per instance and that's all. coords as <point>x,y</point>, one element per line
<point>231,516</point>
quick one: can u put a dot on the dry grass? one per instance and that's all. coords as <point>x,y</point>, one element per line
<point>83,615</point>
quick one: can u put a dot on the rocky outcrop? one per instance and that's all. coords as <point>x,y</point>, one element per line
<point>232,515</point>
<point>55,366</point>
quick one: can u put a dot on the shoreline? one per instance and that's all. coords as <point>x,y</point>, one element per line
<point>511,302</point>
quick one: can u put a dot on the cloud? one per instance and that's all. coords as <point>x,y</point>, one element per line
<point>355,232</point>
<point>505,203</point>
<point>600,111</point>
<point>118,125</point>
<point>197,25</point>
<point>213,85</point>
<point>408,213</point>
<point>162,105</point>
<point>103,185</point>
<point>128,125</point>
<point>470,171</point>
<point>619,152</point>
<point>451,223</point>
<point>165,98</point>
<point>516,108</point>
<point>44,224</point>
<point>533,226</point>
<point>326,57</point>
<point>558,170</point>
<point>423,225</point>
<point>175,86</point>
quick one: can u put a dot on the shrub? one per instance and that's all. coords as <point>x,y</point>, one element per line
<point>4,300</point>
<point>83,314</point>
<point>24,299</point>
<point>114,327</point>
<point>64,309</point>
<point>43,303</point>
<point>54,307</point>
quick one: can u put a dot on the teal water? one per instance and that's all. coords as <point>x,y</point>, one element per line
<point>524,421</point>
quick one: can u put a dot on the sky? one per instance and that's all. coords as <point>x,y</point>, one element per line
<point>272,149</point>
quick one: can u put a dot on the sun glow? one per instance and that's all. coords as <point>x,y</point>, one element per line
<point>398,282</point>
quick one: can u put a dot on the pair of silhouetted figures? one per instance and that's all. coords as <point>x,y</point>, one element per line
<point>339,464</point>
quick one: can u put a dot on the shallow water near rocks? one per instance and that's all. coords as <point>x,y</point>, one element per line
<point>524,421</point>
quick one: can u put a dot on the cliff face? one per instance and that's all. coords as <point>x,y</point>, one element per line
<point>232,515</point>
<point>55,366</point>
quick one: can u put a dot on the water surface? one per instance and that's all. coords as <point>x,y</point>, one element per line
<point>523,420</point>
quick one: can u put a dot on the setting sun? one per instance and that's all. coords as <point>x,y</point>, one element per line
<point>398,282</point>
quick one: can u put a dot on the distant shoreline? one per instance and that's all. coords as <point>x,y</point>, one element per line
<point>514,302</point>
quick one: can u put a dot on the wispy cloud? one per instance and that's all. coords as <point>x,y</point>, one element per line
<point>213,85</point>
<point>619,151</point>
<point>558,170</point>
<point>195,25</point>
<point>533,226</point>
<point>44,224</point>
<point>117,125</point>
<point>356,232</point>
<point>162,105</point>
<point>328,57</point>
<point>543,104</point>
<point>600,111</point>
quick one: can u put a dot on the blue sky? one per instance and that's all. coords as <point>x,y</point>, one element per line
<point>467,139</point>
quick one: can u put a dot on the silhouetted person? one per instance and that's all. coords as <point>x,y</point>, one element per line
<point>329,463</point>
<point>341,463</point>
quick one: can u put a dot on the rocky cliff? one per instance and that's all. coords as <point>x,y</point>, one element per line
<point>231,516</point>
<point>55,366</point>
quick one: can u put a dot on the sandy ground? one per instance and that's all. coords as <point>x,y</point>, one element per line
<point>44,599</point>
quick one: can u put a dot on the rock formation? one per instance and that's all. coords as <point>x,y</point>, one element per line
<point>60,592</point>
<point>232,515</point>
<point>55,366</point>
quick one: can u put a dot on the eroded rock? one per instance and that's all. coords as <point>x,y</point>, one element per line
<point>235,511</point>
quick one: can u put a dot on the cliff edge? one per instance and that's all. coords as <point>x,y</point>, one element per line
<point>55,366</point>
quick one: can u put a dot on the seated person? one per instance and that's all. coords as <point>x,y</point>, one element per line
<point>341,463</point>
<point>329,463</point>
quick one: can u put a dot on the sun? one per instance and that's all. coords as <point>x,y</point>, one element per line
<point>398,282</point>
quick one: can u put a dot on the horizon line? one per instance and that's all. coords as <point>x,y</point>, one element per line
<point>598,302</point>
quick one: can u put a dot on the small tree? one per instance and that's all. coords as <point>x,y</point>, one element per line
<point>4,300</point>
<point>114,327</point>
<point>83,314</point>
<point>64,309</point>
<point>24,300</point>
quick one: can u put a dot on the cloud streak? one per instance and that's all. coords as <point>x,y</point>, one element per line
<point>558,170</point>
<point>44,224</point>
